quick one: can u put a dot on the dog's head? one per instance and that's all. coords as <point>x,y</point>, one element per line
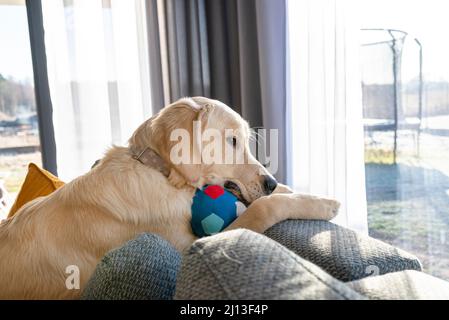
<point>205,142</point>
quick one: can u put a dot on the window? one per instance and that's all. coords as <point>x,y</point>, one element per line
<point>19,135</point>
<point>405,84</point>
<point>98,76</point>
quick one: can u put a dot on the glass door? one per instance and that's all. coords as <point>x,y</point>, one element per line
<point>405,81</point>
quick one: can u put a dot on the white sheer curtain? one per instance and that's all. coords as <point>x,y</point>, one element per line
<point>325,106</point>
<point>98,75</point>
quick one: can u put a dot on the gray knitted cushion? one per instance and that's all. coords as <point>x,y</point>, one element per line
<point>241,264</point>
<point>143,268</point>
<point>343,253</point>
<point>403,285</point>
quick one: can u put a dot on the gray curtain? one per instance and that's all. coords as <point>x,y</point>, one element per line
<point>230,50</point>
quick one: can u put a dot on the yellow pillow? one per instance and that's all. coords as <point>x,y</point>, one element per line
<point>38,182</point>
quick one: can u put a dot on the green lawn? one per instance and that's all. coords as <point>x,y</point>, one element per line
<point>13,169</point>
<point>408,206</point>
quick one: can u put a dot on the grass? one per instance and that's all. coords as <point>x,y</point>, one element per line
<point>415,229</point>
<point>379,156</point>
<point>403,223</point>
<point>13,169</point>
<point>408,207</point>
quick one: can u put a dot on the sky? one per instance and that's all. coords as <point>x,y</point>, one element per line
<point>15,54</point>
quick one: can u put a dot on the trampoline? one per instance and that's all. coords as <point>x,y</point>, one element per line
<point>389,103</point>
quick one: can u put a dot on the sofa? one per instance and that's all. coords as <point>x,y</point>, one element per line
<point>295,259</point>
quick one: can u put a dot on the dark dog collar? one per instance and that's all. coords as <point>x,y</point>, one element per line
<point>152,159</point>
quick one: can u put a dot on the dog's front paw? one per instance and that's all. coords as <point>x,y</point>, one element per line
<point>331,208</point>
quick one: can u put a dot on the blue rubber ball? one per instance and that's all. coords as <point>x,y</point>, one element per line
<point>213,209</point>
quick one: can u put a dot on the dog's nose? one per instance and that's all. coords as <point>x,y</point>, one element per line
<point>269,184</point>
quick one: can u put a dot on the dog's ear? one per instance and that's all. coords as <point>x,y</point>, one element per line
<point>190,118</point>
<point>143,136</point>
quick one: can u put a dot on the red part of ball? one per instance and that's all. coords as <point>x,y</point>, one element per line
<point>214,191</point>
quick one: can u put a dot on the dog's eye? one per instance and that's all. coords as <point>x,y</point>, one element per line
<point>233,141</point>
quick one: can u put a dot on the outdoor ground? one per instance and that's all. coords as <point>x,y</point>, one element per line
<point>408,202</point>
<point>13,169</point>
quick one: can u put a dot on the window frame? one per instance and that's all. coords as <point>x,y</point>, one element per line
<point>41,87</point>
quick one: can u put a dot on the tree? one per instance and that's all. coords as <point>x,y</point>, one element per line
<point>15,94</point>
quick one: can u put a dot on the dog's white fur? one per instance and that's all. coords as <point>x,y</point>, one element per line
<point>120,198</point>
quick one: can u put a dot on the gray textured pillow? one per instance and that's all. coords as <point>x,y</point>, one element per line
<point>403,285</point>
<point>343,253</point>
<point>244,265</point>
<point>143,268</point>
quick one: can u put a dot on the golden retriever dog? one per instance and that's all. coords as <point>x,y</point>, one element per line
<point>138,189</point>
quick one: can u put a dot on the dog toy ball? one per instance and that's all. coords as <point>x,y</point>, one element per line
<point>213,209</point>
